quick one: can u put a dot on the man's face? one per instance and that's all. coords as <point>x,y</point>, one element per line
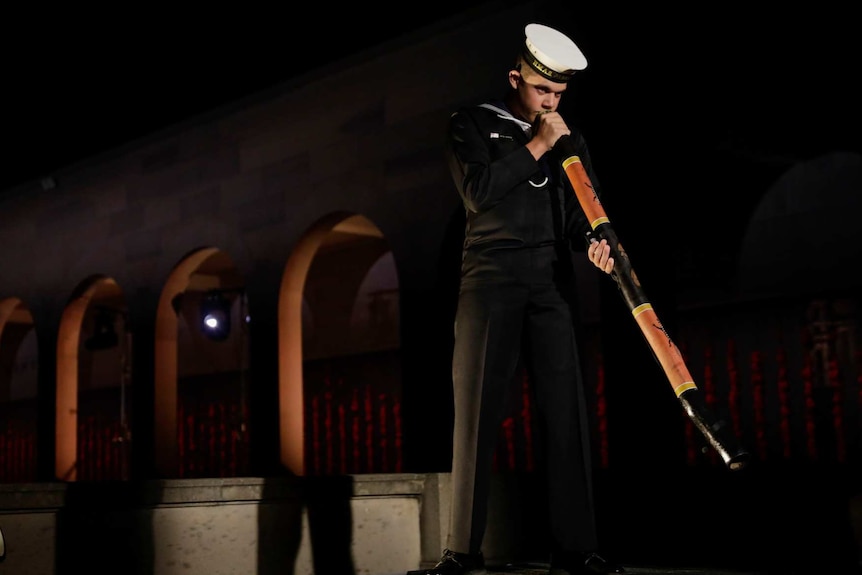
<point>535,93</point>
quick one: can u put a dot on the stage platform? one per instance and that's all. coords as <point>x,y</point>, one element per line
<point>542,569</point>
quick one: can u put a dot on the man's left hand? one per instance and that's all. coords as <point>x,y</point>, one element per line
<point>600,254</point>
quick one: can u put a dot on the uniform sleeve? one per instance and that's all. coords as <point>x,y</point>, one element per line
<point>578,229</point>
<point>483,182</point>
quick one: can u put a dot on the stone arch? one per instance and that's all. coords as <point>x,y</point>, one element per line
<point>337,231</point>
<point>13,314</point>
<point>18,391</point>
<point>97,290</point>
<point>202,270</point>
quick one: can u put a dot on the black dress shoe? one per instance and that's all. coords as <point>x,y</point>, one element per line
<point>456,564</point>
<point>582,564</point>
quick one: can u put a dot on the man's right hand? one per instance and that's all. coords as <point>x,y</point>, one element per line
<point>547,129</point>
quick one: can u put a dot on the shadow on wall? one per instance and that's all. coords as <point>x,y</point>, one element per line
<point>279,526</point>
<point>97,534</point>
<point>326,501</point>
<point>140,528</point>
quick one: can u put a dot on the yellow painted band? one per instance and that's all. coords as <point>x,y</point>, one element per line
<point>571,160</point>
<point>683,387</point>
<point>599,221</point>
<point>641,308</point>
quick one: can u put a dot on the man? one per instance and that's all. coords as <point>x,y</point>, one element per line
<point>523,221</point>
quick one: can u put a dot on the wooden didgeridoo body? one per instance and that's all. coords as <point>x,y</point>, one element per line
<point>716,431</point>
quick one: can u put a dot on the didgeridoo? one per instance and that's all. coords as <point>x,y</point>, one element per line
<point>716,431</point>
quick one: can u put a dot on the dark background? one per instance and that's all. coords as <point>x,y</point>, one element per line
<point>765,84</point>
<point>691,112</point>
<point>76,82</point>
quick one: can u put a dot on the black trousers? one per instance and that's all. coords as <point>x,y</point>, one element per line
<point>523,308</point>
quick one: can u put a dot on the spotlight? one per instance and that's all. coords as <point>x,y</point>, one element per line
<point>104,333</point>
<point>215,316</point>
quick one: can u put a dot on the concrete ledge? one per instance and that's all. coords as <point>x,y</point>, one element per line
<point>47,496</point>
<point>36,496</point>
<point>369,524</point>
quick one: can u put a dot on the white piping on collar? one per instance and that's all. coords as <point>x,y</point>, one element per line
<point>501,113</point>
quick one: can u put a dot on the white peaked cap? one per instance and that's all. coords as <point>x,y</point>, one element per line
<point>551,53</point>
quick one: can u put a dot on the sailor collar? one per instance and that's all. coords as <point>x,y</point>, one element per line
<point>506,115</point>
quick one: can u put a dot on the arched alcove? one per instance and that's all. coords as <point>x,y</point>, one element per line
<point>18,392</point>
<point>200,369</point>
<point>804,236</point>
<point>339,386</point>
<point>92,426</point>
<point>374,318</point>
<point>782,360</point>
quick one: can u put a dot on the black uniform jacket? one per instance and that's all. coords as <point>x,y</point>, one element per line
<point>512,202</point>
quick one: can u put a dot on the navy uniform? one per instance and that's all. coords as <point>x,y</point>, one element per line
<point>516,293</point>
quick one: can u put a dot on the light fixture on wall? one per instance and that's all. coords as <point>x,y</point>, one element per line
<point>104,332</point>
<point>215,311</point>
